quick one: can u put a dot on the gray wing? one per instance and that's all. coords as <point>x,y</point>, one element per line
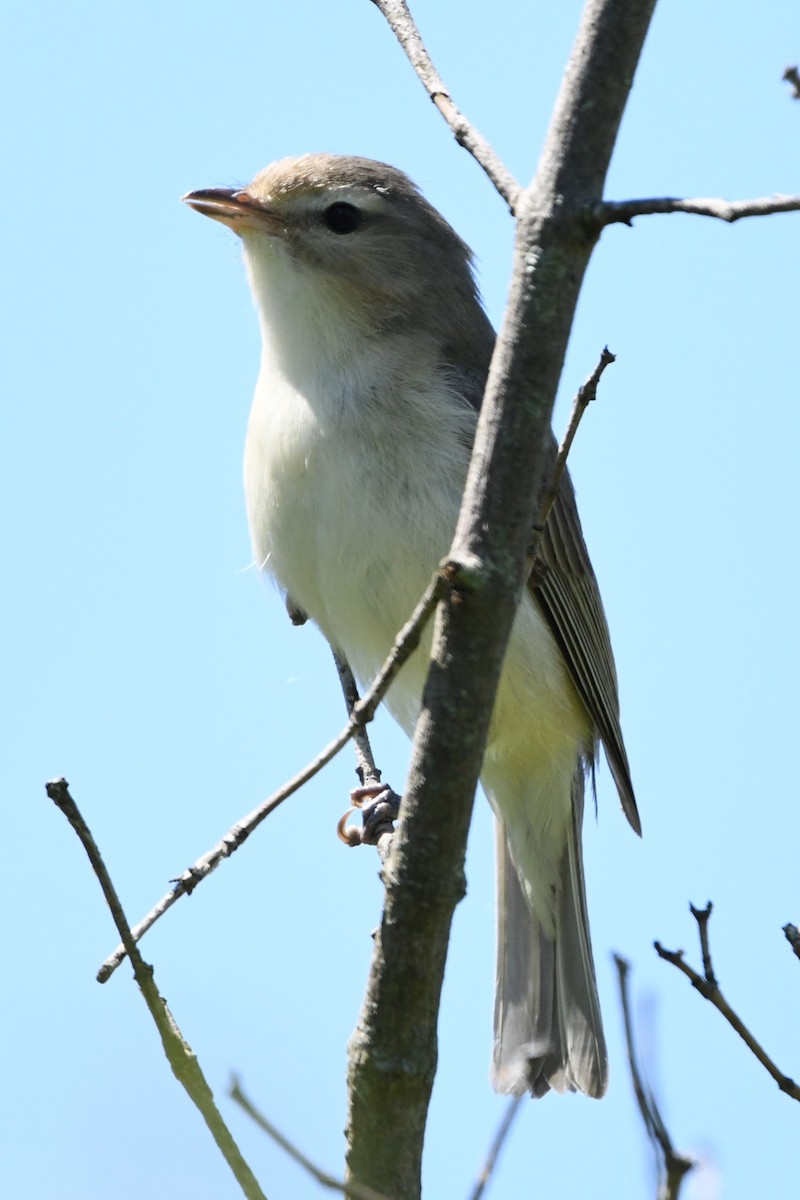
<point>567,593</point>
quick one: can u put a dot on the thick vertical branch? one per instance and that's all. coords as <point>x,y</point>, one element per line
<point>393,1051</point>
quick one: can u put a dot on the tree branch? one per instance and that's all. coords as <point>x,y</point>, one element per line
<point>406,642</point>
<point>393,1050</point>
<point>182,1060</point>
<point>610,212</point>
<point>792,76</point>
<point>708,987</point>
<point>792,934</point>
<point>321,1177</point>
<point>366,769</point>
<point>498,1141</point>
<point>585,395</point>
<point>672,1166</point>
<point>405,30</point>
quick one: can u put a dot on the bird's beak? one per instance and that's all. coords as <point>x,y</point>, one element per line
<point>234,207</point>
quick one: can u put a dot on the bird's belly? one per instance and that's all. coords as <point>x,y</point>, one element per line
<point>354,547</point>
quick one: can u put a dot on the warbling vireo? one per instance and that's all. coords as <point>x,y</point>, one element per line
<point>375,355</point>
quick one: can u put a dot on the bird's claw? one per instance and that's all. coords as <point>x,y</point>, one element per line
<point>379,806</point>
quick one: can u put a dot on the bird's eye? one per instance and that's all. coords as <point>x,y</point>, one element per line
<point>342,217</point>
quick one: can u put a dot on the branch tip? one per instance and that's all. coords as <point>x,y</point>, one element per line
<point>183,1062</point>
<point>792,934</point>
<point>709,988</point>
<point>672,1166</point>
<point>403,26</point>
<point>792,76</point>
<point>586,393</point>
<point>610,212</point>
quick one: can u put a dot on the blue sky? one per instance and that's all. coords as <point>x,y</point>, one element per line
<point>145,661</point>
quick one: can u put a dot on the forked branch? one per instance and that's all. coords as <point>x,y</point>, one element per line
<point>706,984</point>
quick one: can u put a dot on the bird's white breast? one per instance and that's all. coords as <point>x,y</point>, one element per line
<point>351,512</point>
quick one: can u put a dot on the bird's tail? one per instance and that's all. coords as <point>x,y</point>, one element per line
<point>548,1032</point>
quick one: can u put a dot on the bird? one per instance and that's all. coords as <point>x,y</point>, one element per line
<point>375,353</point>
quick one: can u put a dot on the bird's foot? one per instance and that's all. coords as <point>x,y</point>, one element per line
<point>379,806</point>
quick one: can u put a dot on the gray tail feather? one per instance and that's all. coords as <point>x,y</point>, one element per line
<point>548,1032</point>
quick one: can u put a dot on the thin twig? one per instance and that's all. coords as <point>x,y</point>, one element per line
<point>584,397</point>
<point>182,1060</point>
<point>356,1190</point>
<point>793,937</point>
<point>792,76</point>
<point>503,1130</point>
<point>406,642</point>
<point>709,988</point>
<point>672,1166</point>
<point>610,212</point>
<point>703,916</point>
<point>366,769</point>
<point>405,30</point>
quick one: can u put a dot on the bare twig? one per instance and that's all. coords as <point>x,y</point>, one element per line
<point>405,30</point>
<point>356,1190</point>
<point>708,987</point>
<point>610,212</point>
<point>503,1130</point>
<point>703,916</point>
<point>182,1060</point>
<point>793,937</point>
<point>672,1166</point>
<point>584,397</point>
<point>406,642</point>
<point>792,76</point>
<point>366,769</point>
